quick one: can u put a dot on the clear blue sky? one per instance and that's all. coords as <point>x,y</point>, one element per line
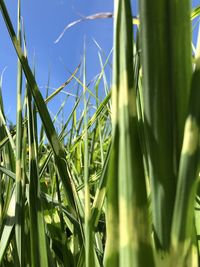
<point>44,20</point>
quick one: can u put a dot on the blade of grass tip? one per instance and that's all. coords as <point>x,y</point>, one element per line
<point>165,93</point>
<point>184,242</point>
<point>39,254</point>
<point>89,250</point>
<point>93,119</point>
<point>59,152</point>
<point>56,116</point>
<point>104,76</point>
<point>98,123</point>
<point>103,53</point>
<point>101,75</point>
<point>128,229</point>
<point>19,199</point>
<point>63,85</point>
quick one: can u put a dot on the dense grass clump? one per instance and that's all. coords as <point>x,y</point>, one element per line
<point>116,186</point>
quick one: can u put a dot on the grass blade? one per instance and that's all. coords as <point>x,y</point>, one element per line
<point>59,152</point>
<point>166,45</point>
<point>184,242</point>
<point>128,232</point>
<point>39,256</point>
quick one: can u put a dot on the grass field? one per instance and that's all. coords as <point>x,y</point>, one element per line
<point>117,186</point>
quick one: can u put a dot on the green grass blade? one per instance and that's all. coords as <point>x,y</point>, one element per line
<point>195,12</point>
<point>183,230</point>
<point>89,255</point>
<point>60,88</point>
<point>100,193</point>
<point>166,62</point>
<point>57,147</point>
<point>8,227</point>
<point>128,231</point>
<point>39,256</point>
<point>19,198</point>
<point>93,119</point>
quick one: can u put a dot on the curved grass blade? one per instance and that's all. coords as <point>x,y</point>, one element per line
<point>104,15</point>
<point>59,152</point>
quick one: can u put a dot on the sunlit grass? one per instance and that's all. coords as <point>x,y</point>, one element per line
<point>116,184</point>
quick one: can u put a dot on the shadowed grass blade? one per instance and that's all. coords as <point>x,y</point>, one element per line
<point>39,256</point>
<point>166,62</point>
<point>184,242</point>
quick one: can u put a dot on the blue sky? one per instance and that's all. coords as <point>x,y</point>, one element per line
<point>44,20</point>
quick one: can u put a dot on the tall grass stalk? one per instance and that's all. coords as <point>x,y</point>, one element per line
<point>166,62</point>
<point>127,214</point>
<point>19,210</point>
<point>89,256</point>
